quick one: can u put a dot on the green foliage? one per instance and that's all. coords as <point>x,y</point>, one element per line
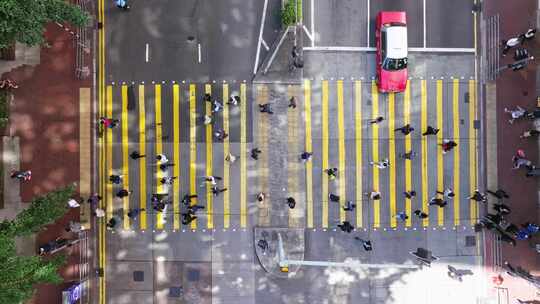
<point>288,13</point>
<point>4,108</point>
<point>24,20</point>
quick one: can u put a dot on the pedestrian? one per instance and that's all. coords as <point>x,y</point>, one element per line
<point>530,133</point>
<point>447,193</point>
<point>406,129</point>
<point>294,52</point>
<point>292,102</point>
<point>207,119</point>
<point>519,161</point>
<point>510,43</point>
<point>162,159</point>
<point>99,212</point>
<point>381,165</point>
<point>499,193</point>
<point>529,34</point>
<point>187,218</point>
<point>25,175</point>
<point>207,97</point>
<point>255,153</point>
<point>346,227</point>
<point>376,120</point>
<point>122,4</point>
<point>349,206</point>
<point>438,201</point>
<point>409,194</point>
<point>306,156</point>
<point>112,223</point>
<point>73,203</point>
<point>402,216</point>
<point>186,200</point>
<point>430,131</point>
<point>220,134</point>
<point>517,113</point>
<point>291,202</point>
<point>216,191</point>
<point>136,155</point>
<point>331,172</point>
<point>448,145</point>
<point>115,179</point>
<point>260,197</point>
<point>74,227</point>
<point>164,167</point>
<point>123,193</point>
<point>409,155</point>
<point>333,197</point>
<point>233,100</point>
<point>478,196</point>
<point>365,243</point>
<point>108,122</point>
<point>230,158</point>
<point>374,195</point>
<point>169,180</point>
<point>531,228</point>
<point>265,108</point>
<point>263,244</point>
<point>193,209</point>
<point>502,209</point>
<point>93,200</point>
<point>421,215</point>
<point>133,213</point>
<point>218,106</point>
<point>211,179</point>
<point>158,206</point>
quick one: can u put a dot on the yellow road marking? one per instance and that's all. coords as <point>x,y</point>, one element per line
<point>159,150</point>
<point>193,147</point>
<point>176,144</point>
<point>125,153</point>
<point>472,148</point>
<point>375,152</point>
<point>392,158</point>
<point>324,153</point>
<point>109,153</point>
<point>103,149</point>
<point>142,161</point>
<point>226,151</point>
<point>243,161</point>
<point>440,162</point>
<point>358,139</point>
<point>425,180</point>
<point>341,130</point>
<point>455,97</point>
<point>209,201</point>
<point>309,165</point>
<point>408,147</point>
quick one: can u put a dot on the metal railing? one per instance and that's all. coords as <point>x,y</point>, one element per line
<point>83,43</point>
<point>84,266</point>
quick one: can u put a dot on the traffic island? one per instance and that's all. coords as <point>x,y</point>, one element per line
<point>270,250</point>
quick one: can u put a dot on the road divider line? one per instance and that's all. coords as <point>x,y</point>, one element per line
<point>209,162</point>
<point>142,160</point>
<point>341,145</point>
<point>160,217</point>
<point>375,152</point>
<point>176,156</point>
<point>408,147</point>
<point>125,154</point>
<point>472,149</point>
<point>193,147</point>
<point>325,141</point>
<point>392,158</point>
<point>425,153</point>
<point>358,141</point>
<point>440,159</point>
<point>309,148</point>
<point>147,51</point>
<point>109,153</point>
<point>226,151</point>
<point>243,160</point>
<point>455,114</point>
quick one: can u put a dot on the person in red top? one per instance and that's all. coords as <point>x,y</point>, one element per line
<point>448,145</point>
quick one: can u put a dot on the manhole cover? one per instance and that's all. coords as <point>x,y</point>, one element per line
<point>470,241</point>
<point>193,275</point>
<point>176,292</point>
<point>138,276</point>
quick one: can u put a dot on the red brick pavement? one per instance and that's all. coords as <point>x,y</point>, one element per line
<point>45,115</point>
<point>517,88</point>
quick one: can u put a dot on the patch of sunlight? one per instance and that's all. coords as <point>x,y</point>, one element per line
<point>121,254</point>
<point>338,276</point>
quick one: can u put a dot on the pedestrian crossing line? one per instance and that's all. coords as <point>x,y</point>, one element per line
<point>159,150</point>
<point>125,154</point>
<point>295,214</point>
<point>109,153</point>
<point>209,194</point>
<point>440,161</point>
<point>341,143</point>
<point>309,148</point>
<point>193,147</point>
<point>392,158</point>
<point>408,147</point>
<point>243,156</point>
<point>425,180</point>
<point>226,151</point>
<point>375,152</point>
<point>472,149</point>
<point>142,160</point>
<point>176,156</point>
<point>325,140</point>
<point>455,114</point>
<point>358,140</point>
<point>264,206</point>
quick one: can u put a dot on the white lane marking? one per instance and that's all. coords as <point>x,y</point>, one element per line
<point>260,37</point>
<point>147,52</point>
<point>424,21</point>
<point>313,23</point>
<point>265,45</point>
<point>368,23</point>
<point>372,49</point>
<point>308,34</point>
<point>199,49</point>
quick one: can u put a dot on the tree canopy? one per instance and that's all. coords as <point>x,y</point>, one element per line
<point>25,20</point>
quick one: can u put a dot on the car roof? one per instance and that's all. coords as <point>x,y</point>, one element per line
<point>396,42</point>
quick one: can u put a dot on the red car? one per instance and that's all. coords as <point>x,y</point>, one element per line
<point>391,42</point>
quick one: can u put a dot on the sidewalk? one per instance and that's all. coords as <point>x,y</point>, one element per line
<point>45,116</point>
<point>512,89</point>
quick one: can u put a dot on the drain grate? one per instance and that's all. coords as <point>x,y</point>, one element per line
<point>470,241</point>
<point>138,276</point>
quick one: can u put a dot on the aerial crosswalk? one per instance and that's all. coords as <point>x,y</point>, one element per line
<point>331,121</point>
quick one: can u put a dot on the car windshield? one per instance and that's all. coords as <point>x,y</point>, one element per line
<point>392,64</point>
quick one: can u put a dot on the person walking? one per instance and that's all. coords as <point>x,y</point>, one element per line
<point>25,175</point>
<point>211,179</point>
<point>230,158</point>
<point>218,106</point>
<point>405,130</point>
<point>123,193</point>
<point>216,191</point>
<point>234,100</point>
<point>346,227</point>
<point>306,156</point>
<point>192,209</point>
<point>499,193</point>
<point>365,243</point>
<point>376,120</point>
<point>187,218</point>
<point>94,200</point>
<point>164,167</point>
<point>438,201</point>
<point>292,102</point>
<point>517,113</point>
<point>409,194</point>
<point>265,108</point>
<point>349,206</point>
<point>255,153</point>
<point>530,133</point>
<point>207,119</point>
<point>115,179</point>
<point>291,202</point>
<point>510,43</point>
<point>502,209</point>
<point>108,122</point>
<point>133,213</point>
<point>169,180</point>
<point>420,214</point>
<point>373,195</point>
<point>529,34</point>
<point>162,159</point>
<point>331,172</point>
<point>99,213</point>
<point>207,97</point>
<point>381,165</point>
<point>186,200</point>
<point>136,155</point>
<point>448,193</point>
<point>122,4</point>
<point>409,155</point>
<point>111,223</point>
<point>220,134</point>
<point>430,131</point>
<point>478,196</point>
<point>333,198</point>
<point>448,145</point>
<point>260,197</point>
<point>402,216</point>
